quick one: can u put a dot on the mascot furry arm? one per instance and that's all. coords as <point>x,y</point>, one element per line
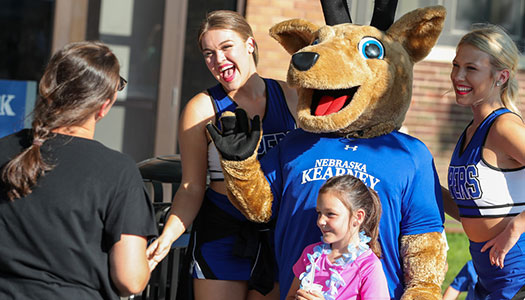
<point>355,81</point>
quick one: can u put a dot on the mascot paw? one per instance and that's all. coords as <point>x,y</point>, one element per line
<point>424,258</point>
<point>422,294</point>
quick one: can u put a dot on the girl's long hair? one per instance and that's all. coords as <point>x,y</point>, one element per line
<point>356,195</point>
<point>77,81</point>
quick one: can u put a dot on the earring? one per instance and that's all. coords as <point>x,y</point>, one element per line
<point>100,115</point>
<point>498,83</point>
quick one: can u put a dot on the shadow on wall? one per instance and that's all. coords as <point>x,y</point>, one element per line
<point>458,119</point>
<point>454,122</point>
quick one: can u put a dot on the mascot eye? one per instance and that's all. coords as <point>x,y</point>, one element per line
<point>315,42</point>
<point>370,48</point>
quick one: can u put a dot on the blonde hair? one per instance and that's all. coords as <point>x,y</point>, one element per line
<point>230,20</point>
<point>494,41</point>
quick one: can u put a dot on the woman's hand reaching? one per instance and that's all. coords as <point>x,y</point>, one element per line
<point>158,250</point>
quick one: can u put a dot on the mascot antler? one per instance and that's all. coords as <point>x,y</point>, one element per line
<point>337,12</point>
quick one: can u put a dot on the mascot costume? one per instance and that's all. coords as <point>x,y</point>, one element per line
<point>355,85</point>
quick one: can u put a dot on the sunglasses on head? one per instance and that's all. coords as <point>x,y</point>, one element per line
<point>122,84</point>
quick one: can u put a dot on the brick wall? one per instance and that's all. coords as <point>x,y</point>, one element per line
<point>263,14</point>
<point>433,116</point>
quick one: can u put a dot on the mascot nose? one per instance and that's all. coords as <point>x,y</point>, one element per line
<point>303,61</point>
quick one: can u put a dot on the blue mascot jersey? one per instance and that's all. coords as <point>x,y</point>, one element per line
<point>398,167</point>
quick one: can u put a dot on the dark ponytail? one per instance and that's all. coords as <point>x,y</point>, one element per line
<point>76,82</point>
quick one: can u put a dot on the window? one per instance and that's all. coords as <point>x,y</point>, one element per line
<point>26,29</point>
<point>461,14</point>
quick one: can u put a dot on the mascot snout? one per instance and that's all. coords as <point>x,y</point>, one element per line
<point>303,61</point>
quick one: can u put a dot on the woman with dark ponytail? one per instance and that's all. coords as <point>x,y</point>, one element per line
<point>345,264</point>
<point>75,218</point>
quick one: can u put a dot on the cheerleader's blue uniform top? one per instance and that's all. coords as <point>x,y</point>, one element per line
<point>484,191</point>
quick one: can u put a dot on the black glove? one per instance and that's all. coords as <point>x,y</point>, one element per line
<point>236,141</point>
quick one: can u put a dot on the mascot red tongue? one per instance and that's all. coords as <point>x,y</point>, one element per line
<point>328,105</point>
<point>358,137</point>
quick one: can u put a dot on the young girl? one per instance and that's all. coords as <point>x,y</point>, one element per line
<point>345,265</point>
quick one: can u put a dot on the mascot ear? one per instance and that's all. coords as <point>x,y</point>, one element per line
<point>419,30</point>
<point>294,34</point>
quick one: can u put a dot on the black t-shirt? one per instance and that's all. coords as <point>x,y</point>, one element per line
<point>54,243</point>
